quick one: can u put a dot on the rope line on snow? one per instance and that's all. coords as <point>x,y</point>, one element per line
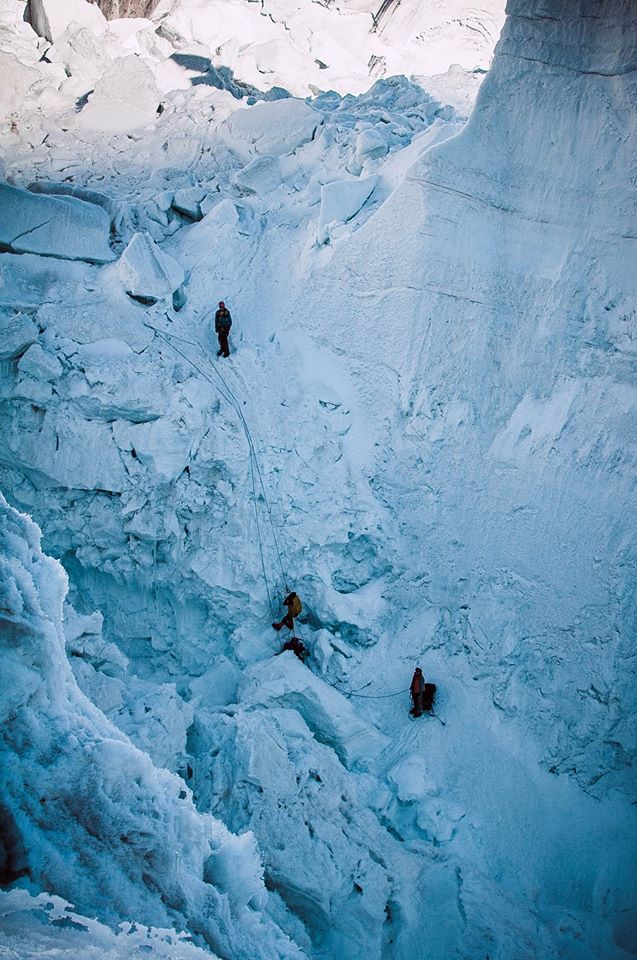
<point>234,402</point>
<point>362,696</point>
<point>352,693</point>
<point>256,515</point>
<point>230,398</point>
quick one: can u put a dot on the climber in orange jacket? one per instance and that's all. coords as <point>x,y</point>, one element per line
<point>294,605</point>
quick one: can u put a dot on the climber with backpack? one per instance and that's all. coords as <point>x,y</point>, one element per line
<point>298,648</point>
<point>223,322</point>
<point>294,605</point>
<point>422,694</point>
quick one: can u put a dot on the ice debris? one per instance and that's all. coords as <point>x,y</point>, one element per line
<point>50,18</point>
<point>284,681</point>
<point>340,201</point>
<point>53,226</point>
<point>17,332</point>
<point>125,98</point>
<point>40,364</point>
<point>87,813</point>
<point>275,128</point>
<point>146,271</point>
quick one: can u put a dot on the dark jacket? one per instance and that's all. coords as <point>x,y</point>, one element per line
<point>223,321</point>
<point>417,684</point>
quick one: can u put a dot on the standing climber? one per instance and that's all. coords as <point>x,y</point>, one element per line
<point>417,689</point>
<point>294,605</point>
<point>223,322</point>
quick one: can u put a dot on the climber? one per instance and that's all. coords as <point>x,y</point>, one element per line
<point>417,689</point>
<point>297,647</point>
<point>223,322</point>
<point>294,605</point>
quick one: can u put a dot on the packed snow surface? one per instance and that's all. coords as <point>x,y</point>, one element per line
<point>426,427</point>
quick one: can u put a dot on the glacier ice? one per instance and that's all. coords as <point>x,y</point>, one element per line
<point>50,18</point>
<point>125,98</point>
<point>146,271</point>
<point>441,407</point>
<point>53,226</point>
<point>17,332</point>
<point>89,813</point>
<point>341,200</point>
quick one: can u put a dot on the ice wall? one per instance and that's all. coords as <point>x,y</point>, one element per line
<point>503,327</point>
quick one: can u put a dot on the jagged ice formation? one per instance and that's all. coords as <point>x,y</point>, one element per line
<point>434,353</point>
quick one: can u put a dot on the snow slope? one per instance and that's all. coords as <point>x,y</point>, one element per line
<point>434,355</point>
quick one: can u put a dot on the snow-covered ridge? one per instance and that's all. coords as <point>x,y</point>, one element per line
<point>434,350</point>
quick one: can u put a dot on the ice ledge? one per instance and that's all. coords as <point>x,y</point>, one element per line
<point>285,681</point>
<point>53,226</point>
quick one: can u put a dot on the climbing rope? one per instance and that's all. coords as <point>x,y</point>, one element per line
<point>256,516</point>
<point>350,693</point>
<point>237,407</point>
<point>362,696</point>
<point>231,399</point>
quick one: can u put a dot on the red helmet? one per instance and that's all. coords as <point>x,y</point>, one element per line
<point>221,303</point>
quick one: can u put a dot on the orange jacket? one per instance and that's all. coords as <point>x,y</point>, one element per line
<point>293,603</point>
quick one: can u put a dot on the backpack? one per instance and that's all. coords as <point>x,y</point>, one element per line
<point>293,603</point>
<point>428,696</point>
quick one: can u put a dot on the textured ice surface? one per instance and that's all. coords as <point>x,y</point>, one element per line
<point>49,18</point>
<point>125,98</point>
<point>342,199</point>
<point>145,271</point>
<point>32,926</point>
<point>86,812</point>
<point>52,226</point>
<point>274,128</point>
<point>442,404</point>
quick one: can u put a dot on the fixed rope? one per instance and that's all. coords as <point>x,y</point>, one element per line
<point>230,398</point>
<point>256,516</point>
<point>351,693</point>
<point>237,407</point>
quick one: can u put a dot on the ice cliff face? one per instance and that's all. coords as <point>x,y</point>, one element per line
<point>434,333</point>
<point>511,358</point>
